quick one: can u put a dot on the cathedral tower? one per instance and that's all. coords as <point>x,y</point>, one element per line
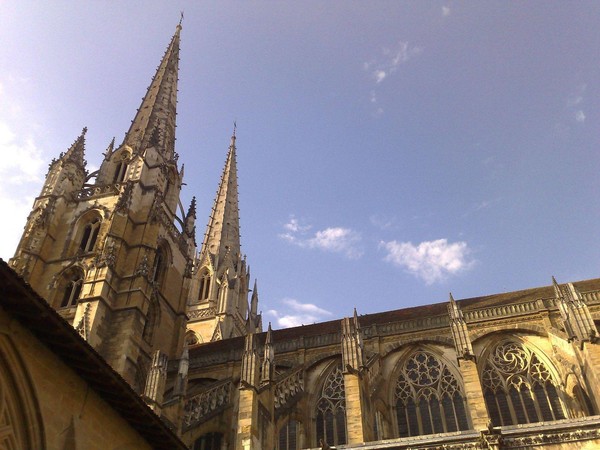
<point>218,301</point>
<point>107,249</point>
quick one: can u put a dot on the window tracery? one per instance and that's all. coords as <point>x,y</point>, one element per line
<point>331,409</point>
<point>90,234</point>
<point>204,286</point>
<point>428,397</point>
<point>72,291</point>
<point>518,387</point>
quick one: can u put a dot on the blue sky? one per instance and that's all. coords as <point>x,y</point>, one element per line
<point>388,152</point>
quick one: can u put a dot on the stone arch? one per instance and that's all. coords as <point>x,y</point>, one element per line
<point>67,285</point>
<point>192,338</point>
<point>83,237</point>
<point>520,382</point>
<point>20,416</point>
<point>530,328</point>
<point>438,340</point>
<point>426,393</point>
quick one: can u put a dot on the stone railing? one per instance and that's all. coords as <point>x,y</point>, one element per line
<point>422,323</point>
<point>503,311</point>
<point>202,405</point>
<point>289,387</point>
<point>98,191</point>
<point>591,297</point>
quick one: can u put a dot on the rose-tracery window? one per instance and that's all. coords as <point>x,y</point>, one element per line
<point>428,397</point>
<point>518,387</point>
<point>331,410</point>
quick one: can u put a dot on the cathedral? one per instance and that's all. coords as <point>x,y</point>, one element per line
<point>117,331</point>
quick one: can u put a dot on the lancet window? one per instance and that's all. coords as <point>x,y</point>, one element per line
<point>288,436</point>
<point>428,397</point>
<point>518,387</point>
<point>72,290</point>
<point>331,410</point>
<point>90,234</point>
<point>204,286</point>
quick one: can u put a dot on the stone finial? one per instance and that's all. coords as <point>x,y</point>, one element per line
<point>460,332</point>
<point>576,316</point>
<point>352,345</point>
<point>155,382</point>
<point>268,358</point>
<point>249,375</point>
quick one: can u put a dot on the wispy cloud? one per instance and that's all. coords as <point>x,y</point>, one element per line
<point>390,60</point>
<point>574,103</point>
<point>296,313</point>
<point>332,239</point>
<point>445,11</point>
<point>382,222</point>
<point>431,261</point>
<point>386,64</point>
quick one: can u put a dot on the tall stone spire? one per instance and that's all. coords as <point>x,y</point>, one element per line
<point>154,123</point>
<point>75,153</point>
<point>222,236</point>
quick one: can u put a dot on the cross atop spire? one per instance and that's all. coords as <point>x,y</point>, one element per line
<point>154,122</point>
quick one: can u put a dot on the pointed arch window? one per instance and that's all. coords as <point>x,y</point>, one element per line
<point>288,436</point>
<point>204,286</point>
<point>90,235</point>
<point>159,268</point>
<point>518,387</point>
<point>428,397</point>
<point>331,410</point>
<point>72,290</point>
<point>120,172</point>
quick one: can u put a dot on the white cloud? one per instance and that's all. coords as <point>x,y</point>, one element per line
<point>331,239</point>
<point>445,11</point>
<point>432,261</point>
<point>298,313</point>
<point>21,171</point>
<point>390,60</point>
<point>379,75</point>
<point>580,116</point>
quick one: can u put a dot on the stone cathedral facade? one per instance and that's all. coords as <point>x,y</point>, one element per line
<point>153,316</point>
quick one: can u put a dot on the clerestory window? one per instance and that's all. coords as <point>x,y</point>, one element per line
<point>518,387</point>
<point>331,410</point>
<point>90,234</point>
<point>428,397</point>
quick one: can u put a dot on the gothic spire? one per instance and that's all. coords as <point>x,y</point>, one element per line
<point>154,123</point>
<point>222,235</point>
<point>75,153</point>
